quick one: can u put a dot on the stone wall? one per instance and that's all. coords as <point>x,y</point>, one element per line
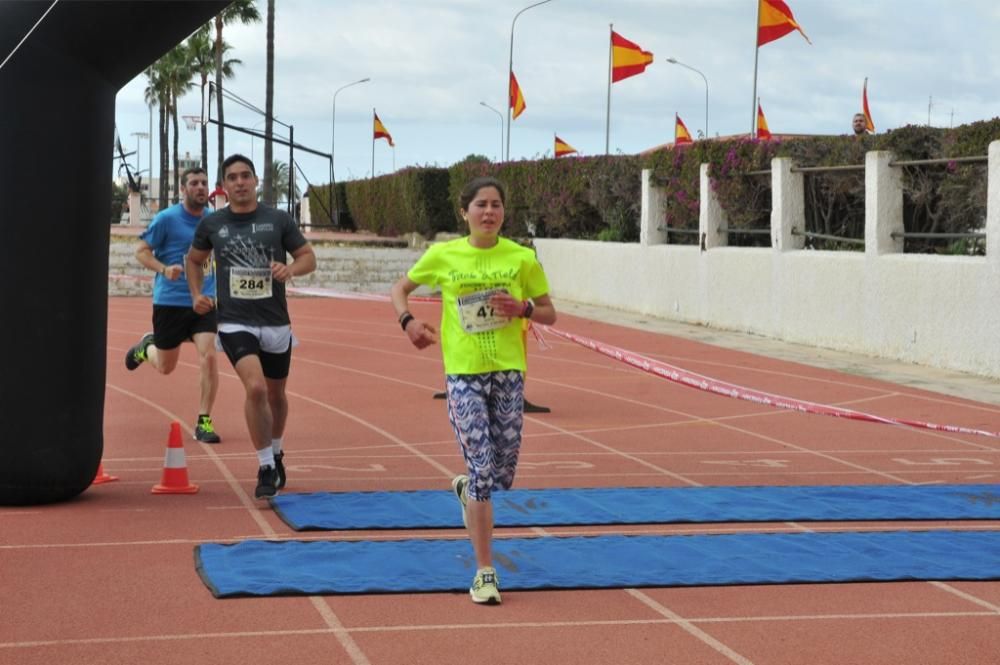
<point>339,267</point>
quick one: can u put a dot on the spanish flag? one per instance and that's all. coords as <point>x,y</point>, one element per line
<point>516,98</point>
<point>775,21</point>
<point>627,58</point>
<point>381,132</point>
<point>869,123</point>
<point>763,133</point>
<point>563,148</point>
<point>681,134</point>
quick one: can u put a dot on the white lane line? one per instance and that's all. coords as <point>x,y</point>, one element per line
<point>689,627</point>
<point>521,532</point>
<point>967,596</point>
<point>751,433</point>
<point>493,626</point>
<point>327,614</point>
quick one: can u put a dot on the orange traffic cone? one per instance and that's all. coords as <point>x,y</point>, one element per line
<point>101,476</point>
<point>175,475</point>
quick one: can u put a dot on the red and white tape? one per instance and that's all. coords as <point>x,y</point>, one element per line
<point>350,295</point>
<point>693,380</point>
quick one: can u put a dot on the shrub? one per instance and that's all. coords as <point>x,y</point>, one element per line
<point>412,199</point>
<point>599,197</point>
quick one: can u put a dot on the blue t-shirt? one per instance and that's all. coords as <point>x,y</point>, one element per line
<point>169,235</point>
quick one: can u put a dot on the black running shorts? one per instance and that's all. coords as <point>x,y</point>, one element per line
<point>242,343</point>
<point>174,325</point>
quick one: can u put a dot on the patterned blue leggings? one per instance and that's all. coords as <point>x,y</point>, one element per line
<point>486,412</point>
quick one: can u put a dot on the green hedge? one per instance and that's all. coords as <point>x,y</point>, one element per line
<point>577,197</point>
<point>599,197</point>
<point>412,199</point>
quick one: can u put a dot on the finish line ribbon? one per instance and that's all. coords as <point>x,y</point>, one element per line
<point>693,380</point>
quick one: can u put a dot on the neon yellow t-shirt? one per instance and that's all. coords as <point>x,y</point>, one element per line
<point>463,271</point>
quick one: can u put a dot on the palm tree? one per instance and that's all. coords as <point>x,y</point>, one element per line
<point>157,93</point>
<point>178,81</point>
<point>269,106</point>
<point>278,175</point>
<point>201,59</point>
<point>242,11</point>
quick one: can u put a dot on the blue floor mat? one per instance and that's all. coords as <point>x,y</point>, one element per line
<point>643,505</point>
<point>268,568</point>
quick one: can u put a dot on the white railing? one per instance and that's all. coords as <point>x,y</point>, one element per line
<point>942,311</point>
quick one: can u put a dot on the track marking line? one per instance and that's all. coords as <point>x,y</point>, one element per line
<point>329,617</point>
<point>688,627</point>
<point>489,626</point>
<point>706,529</point>
<point>966,596</point>
<point>728,426</point>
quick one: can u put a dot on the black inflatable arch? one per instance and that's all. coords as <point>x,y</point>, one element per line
<point>57,103</point>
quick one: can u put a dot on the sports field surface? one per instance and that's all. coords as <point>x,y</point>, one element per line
<point>110,578</point>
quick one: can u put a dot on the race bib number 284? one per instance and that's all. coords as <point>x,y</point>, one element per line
<point>250,283</point>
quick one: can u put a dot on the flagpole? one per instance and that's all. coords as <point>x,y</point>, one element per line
<point>756,52</point>
<point>607,121</point>
<point>864,101</point>
<point>374,115</point>
<point>510,70</point>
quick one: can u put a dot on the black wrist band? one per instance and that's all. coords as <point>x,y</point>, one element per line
<point>402,316</point>
<point>404,319</point>
<point>529,308</point>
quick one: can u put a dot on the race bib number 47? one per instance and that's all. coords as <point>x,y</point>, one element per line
<point>250,283</point>
<point>477,315</point>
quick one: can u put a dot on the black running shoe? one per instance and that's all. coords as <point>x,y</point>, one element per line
<point>204,431</point>
<point>136,355</point>
<point>267,479</point>
<point>279,467</point>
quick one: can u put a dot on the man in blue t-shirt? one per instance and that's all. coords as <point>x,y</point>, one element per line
<point>162,248</point>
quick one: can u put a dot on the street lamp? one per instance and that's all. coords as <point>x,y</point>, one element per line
<point>510,69</point>
<point>677,62</point>
<point>255,128</point>
<point>334,200</point>
<point>333,122</point>
<point>499,115</point>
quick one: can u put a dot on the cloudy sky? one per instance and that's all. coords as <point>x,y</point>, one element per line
<point>431,63</point>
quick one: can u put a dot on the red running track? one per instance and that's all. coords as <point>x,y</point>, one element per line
<point>109,577</point>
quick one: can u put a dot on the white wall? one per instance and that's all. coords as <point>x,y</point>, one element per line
<point>942,311</point>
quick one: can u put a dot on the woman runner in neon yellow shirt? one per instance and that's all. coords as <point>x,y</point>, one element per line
<point>489,285</point>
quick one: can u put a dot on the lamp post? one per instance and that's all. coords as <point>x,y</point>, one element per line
<point>510,70</point>
<point>334,201</point>
<point>674,61</point>
<point>333,121</point>
<point>255,128</point>
<point>499,115</point>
